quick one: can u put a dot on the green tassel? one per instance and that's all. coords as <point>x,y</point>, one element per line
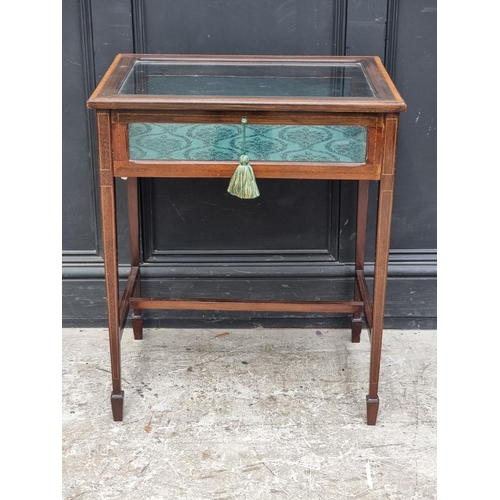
<point>242,182</point>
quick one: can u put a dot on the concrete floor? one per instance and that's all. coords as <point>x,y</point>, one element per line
<point>249,414</point>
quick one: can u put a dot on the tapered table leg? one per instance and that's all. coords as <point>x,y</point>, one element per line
<point>382,242</point>
<point>109,239</point>
<point>133,221</point>
<point>361,217</point>
<point>379,289</point>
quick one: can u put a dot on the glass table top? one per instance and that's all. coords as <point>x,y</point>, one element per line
<point>321,80</point>
<point>249,83</point>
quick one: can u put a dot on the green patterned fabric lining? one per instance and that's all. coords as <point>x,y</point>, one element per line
<point>211,142</point>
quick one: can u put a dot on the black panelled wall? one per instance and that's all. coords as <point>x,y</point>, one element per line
<point>296,240</point>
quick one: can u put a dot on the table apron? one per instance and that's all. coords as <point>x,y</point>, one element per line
<point>262,170</point>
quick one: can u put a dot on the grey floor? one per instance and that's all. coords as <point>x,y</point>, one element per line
<point>249,414</point>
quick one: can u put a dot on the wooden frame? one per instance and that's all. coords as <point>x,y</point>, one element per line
<point>386,100</point>
<point>124,167</point>
<point>380,114</point>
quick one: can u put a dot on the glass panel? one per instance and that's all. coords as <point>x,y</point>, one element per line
<point>312,80</point>
<point>210,142</point>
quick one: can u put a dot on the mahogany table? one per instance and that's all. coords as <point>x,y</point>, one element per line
<point>307,117</point>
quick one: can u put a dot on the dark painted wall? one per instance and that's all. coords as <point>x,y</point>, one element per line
<point>297,242</point>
